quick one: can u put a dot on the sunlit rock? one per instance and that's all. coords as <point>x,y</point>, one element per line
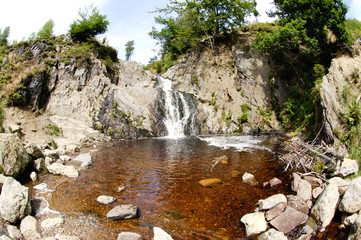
<point>249,179</point>
<point>65,170</point>
<point>351,200</point>
<point>288,220</point>
<point>129,236</point>
<point>272,201</point>
<point>160,234</point>
<point>106,199</point>
<point>84,159</point>
<point>255,223</point>
<point>30,228</point>
<point>272,234</point>
<point>123,212</point>
<point>341,183</point>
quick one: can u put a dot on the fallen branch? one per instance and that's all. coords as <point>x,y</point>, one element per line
<point>318,154</point>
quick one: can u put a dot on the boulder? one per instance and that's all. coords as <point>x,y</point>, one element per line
<point>288,220</point>
<point>106,199</point>
<point>255,223</point>
<point>13,156</point>
<point>129,236</point>
<point>160,234</point>
<point>275,211</point>
<point>355,233</point>
<point>33,150</point>
<point>348,167</point>
<point>316,192</point>
<point>351,200</point>
<point>298,204</point>
<point>14,201</point>
<point>249,179</point>
<point>304,190</point>
<point>85,159</point>
<point>14,232</point>
<point>325,207</point>
<point>54,154</point>
<point>272,234</point>
<point>30,228</point>
<point>65,170</point>
<point>210,182</point>
<point>341,183</point>
<point>272,201</point>
<point>314,181</point>
<point>274,182</point>
<point>122,212</point>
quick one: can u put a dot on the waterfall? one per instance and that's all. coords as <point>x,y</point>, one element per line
<point>179,110</point>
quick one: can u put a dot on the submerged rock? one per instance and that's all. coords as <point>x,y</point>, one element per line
<point>249,179</point>
<point>106,199</point>
<point>210,182</point>
<point>65,170</point>
<point>85,159</point>
<point>255,223</point>
<point>14,201</point>
<point>123,212</point>
<point>129,236</point>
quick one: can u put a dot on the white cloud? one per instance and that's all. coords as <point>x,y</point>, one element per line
<point>354,10</point>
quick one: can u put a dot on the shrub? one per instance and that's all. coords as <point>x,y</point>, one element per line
<point>54,130</point>
<point>17,96</point>
<point>245,107</point>
<point>244,118</point>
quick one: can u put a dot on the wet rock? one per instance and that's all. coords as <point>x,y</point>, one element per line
<point>65,237</point>
<point>235,173</point>
<point>119,189</point>
<point>14,201</point>
<point>255,223</point>
<point>14,232</point>
<point>33,176</point>
<point>308,229</point>
<point>33,150</point>
<point>52,222</point>
<point>85,159</point>
<point>325,207</point>
<point>288,220</point>
<point>298,204</point>
<point>316,192</point>
<point>13,156</point>
<point>249,179</point>
<point>348,167</point>
<point>123,212</point>
<point>341,183</point>
<point>351,200</point>
<point>272,201</point>
<point>160,234</point>
<point>210,182</point>
<point>272,234</point>
<point>65,158</point>
<point>304,190</point>
<point>274,182</point>
<point>106,199</point>
<point>30,228</point>
<point>275,211</point>
<point>129,236</point>
<point>41,187</point>
<point>65,170</point>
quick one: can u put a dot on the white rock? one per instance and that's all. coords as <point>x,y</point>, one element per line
<point>65,170</point>
<point>30,228</point>
<point>272,201</point>
<point>348,167</point>
<point>14,232</point>
<point>85,159</point>
<point>129,236</point>
<point>39,164</point>
<point>304,190</point>
<point>255,223</point>
<point>160,234</point>
<point>355,233</point>
<point>4,237</point>
<point>325,207</point>
<point>33,176</point>
<point>316,192</point>
<point>341,183</point>
<point>14,201</point>
<point>65,158</point>
<point>296,182</point>
<point>65,237</point>
<point>41,187</point>
<point>351,200</point>
<point>249,179</point>
<point>106,199</point>
<point>51,222</point>
<point>54,154</point>
<point>272,234</point>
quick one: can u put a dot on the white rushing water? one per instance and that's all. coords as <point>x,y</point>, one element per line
<point>179,114</point>
<point>239,143</point>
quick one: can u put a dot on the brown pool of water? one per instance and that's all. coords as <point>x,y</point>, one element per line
<point>161,177</point>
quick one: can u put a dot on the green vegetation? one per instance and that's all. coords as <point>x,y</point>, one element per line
<point>54,130</point>
<point>129,50</point>
<point>47,30</point>
<point>4,36</point>
<point>192,23</point>
<point>2,116</point>
<point>90,24</point>
<point>353,28</point>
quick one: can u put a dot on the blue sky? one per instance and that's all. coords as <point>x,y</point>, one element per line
<point>129,19</point>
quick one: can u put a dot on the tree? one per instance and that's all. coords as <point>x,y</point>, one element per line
<point>198,21</point>
<point>46,31</point>
<point>129,49</point>
<point>4,36</point>
<point>321,16</point>
<point>92,23</point>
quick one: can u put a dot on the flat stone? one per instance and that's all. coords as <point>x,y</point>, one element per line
<point>325,207</point>
<point>85,159</point>
<point>288,220</point>
<point>272,201</point>
<point>123,212</point>
<point>274,182</point>
<point>210,182</point>
<point>160,234</point>
<point>249,179</point>
<point>272,234</point>
<point>351,200</point>
<point>304,190</point>
<point>255,223</point>
<point>348,167</point>
<point>296,181</point>
<point>275,211</point>
<point>298,204</point>
<point>52,222</point>
<point>341,183</point>
<point>316,192</point>
<point>106,199</point>
<point>65,170</point>
<point>314,181</point>
<point>129,236</point>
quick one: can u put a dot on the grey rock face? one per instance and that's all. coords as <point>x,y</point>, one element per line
<point>351,200</point>
<point>14,201</point>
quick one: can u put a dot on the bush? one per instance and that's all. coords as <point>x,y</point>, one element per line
<point>17,96</point>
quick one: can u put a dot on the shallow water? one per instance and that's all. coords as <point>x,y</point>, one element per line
<point>161,177</point>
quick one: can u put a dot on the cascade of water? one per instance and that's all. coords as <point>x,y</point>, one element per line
<point>179,111</point>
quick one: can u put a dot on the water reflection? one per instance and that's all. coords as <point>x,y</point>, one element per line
<point>161,177</point>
